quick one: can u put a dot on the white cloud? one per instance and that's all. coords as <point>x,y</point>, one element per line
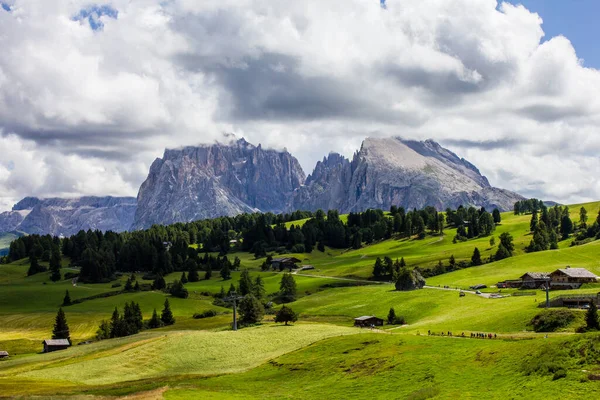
<point>87,111</point>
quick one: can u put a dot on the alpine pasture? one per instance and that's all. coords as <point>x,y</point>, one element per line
<point>321,355</point>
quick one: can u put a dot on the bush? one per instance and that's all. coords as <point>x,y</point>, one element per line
<point>298,248</point>
<point>71,275</point>
<point>552,320</point>
<point>561,373</point>
<point>114,285</point>
<point>206,314</point>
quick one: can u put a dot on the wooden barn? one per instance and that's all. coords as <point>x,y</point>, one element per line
<point>571,278</point>
<point>284,263</point>
<point>533,280</point>
<point>368,321</point>
<point>51,345</point>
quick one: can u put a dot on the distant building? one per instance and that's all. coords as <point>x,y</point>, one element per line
<point>534,280</point>
<point>3,354</point>
<point>571,278</point>
<point>284,262</point>
<point>51,345</point>
<point>367,321</point>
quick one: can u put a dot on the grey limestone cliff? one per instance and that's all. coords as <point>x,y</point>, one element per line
<point>216,180</point>
<point>393,171</point>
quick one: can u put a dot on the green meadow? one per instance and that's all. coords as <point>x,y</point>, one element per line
<point>322,355</point>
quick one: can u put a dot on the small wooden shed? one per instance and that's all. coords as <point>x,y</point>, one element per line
<point>51,345</point>
<point>3,354</point>
<point>367,321</point>
<point>284,263</point>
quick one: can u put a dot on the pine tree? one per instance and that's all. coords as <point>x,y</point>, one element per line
<point>236,263</point>
<point>258,288</point>
<point>154,322</point>
<point>251,310</point>
<point>167,315</point>
<point>208,274</point>
<point>287,288</point>
<point>378,269</point>
<point>184,278</point>
<point>583,218</point>
<point>137,287</point>
<point>159,283</point>
<point>55,265</point>
<point>116,324</point>
<point>452,261</point>
<point>391,318</point>
<point>67,299</point>
<point>321,247</point>
<point>128,285</point>
<point>178,290</point>
<point>245,284</point>
<point>402,262</point>
<point>222,293</point>
<point>225,272</point>
<point>591,318</point>
<point>534,221</point>
<point>566,226</point>
<point>476,257</point>
<point>496,216</point>
<point>61,328</point>
<point>34,266</point>
<point>286,314</point>
<point>103,331</point>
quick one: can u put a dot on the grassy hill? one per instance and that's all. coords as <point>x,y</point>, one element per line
<point>322,355</point>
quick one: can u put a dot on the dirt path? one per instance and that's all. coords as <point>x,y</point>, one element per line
<point>485,295</point>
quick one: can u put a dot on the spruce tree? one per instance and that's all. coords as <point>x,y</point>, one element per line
<point>476,257</point>
<point>378,269</point>
<point>251,310</point>
<point>591,318</point>
<point>208,273</point>
<point>225,272</point>
<point>137,287</point>
<point>61,328</point>
<point>184,278</point>
<point>159,283</point>
<point>245,284</point>
<point>116,324</point>
<point>258,288</point>
<point>154,322</point>
<point>178,290</point>
<point>55,265</point>
<point>128,285</point>
<point>67,299</point>
<point>391,317</point>
<point>167,315</point>
<point>287,288</point>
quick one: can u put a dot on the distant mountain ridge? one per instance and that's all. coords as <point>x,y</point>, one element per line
<point>57,216</point>
<point>393,171</point>
<point>220,179</point>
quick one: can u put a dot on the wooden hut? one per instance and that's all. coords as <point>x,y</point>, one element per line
<point>51,345</point>
<point>284,262</point>
<point>3,354</point>
<point>367,321</point>
<point>571,278</point>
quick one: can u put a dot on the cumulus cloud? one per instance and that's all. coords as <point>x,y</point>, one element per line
<point>91,92</point>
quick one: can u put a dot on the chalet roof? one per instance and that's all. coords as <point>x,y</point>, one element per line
<point>576,272</point>
<point>57,342</point>
<point>365,318</point>
<point>536,275</point>
<point>3,353</point>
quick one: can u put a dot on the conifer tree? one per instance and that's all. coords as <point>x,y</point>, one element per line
<point>116,324</point>
<point>591,318</point>
<point>184,278</point>
<point>476,257</point>
<point>128,285</point>
<point>251,310</point>
<point>258,288</point>
<point>55,265</point>
<point>391,317</point>
<point>61,328</point>
<point>167,315</point>
<point>208,273</point>
<point>245,284</point>
<point>67,299</point>
<point>137,287</point>
<point>378,269</point>
<point>225,272</point>
<point>154,322</point>
<point>287,288</point>
<point>159,283</point>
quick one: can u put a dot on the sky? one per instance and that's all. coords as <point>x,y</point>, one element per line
<point>92,92</point>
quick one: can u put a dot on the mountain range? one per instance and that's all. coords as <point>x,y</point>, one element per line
<point>228,179</point>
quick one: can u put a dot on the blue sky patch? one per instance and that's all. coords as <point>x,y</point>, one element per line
<point>94,13</point>
<point>383,5</point>
<point>5,7</point>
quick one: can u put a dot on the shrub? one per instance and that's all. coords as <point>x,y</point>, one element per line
<point>71,275</point>
<point>114,285</point>
<point>551,320</point>
<point>206,314</point>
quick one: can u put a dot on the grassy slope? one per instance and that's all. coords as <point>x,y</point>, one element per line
<point>400,366</point>
<point>27,306</point>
